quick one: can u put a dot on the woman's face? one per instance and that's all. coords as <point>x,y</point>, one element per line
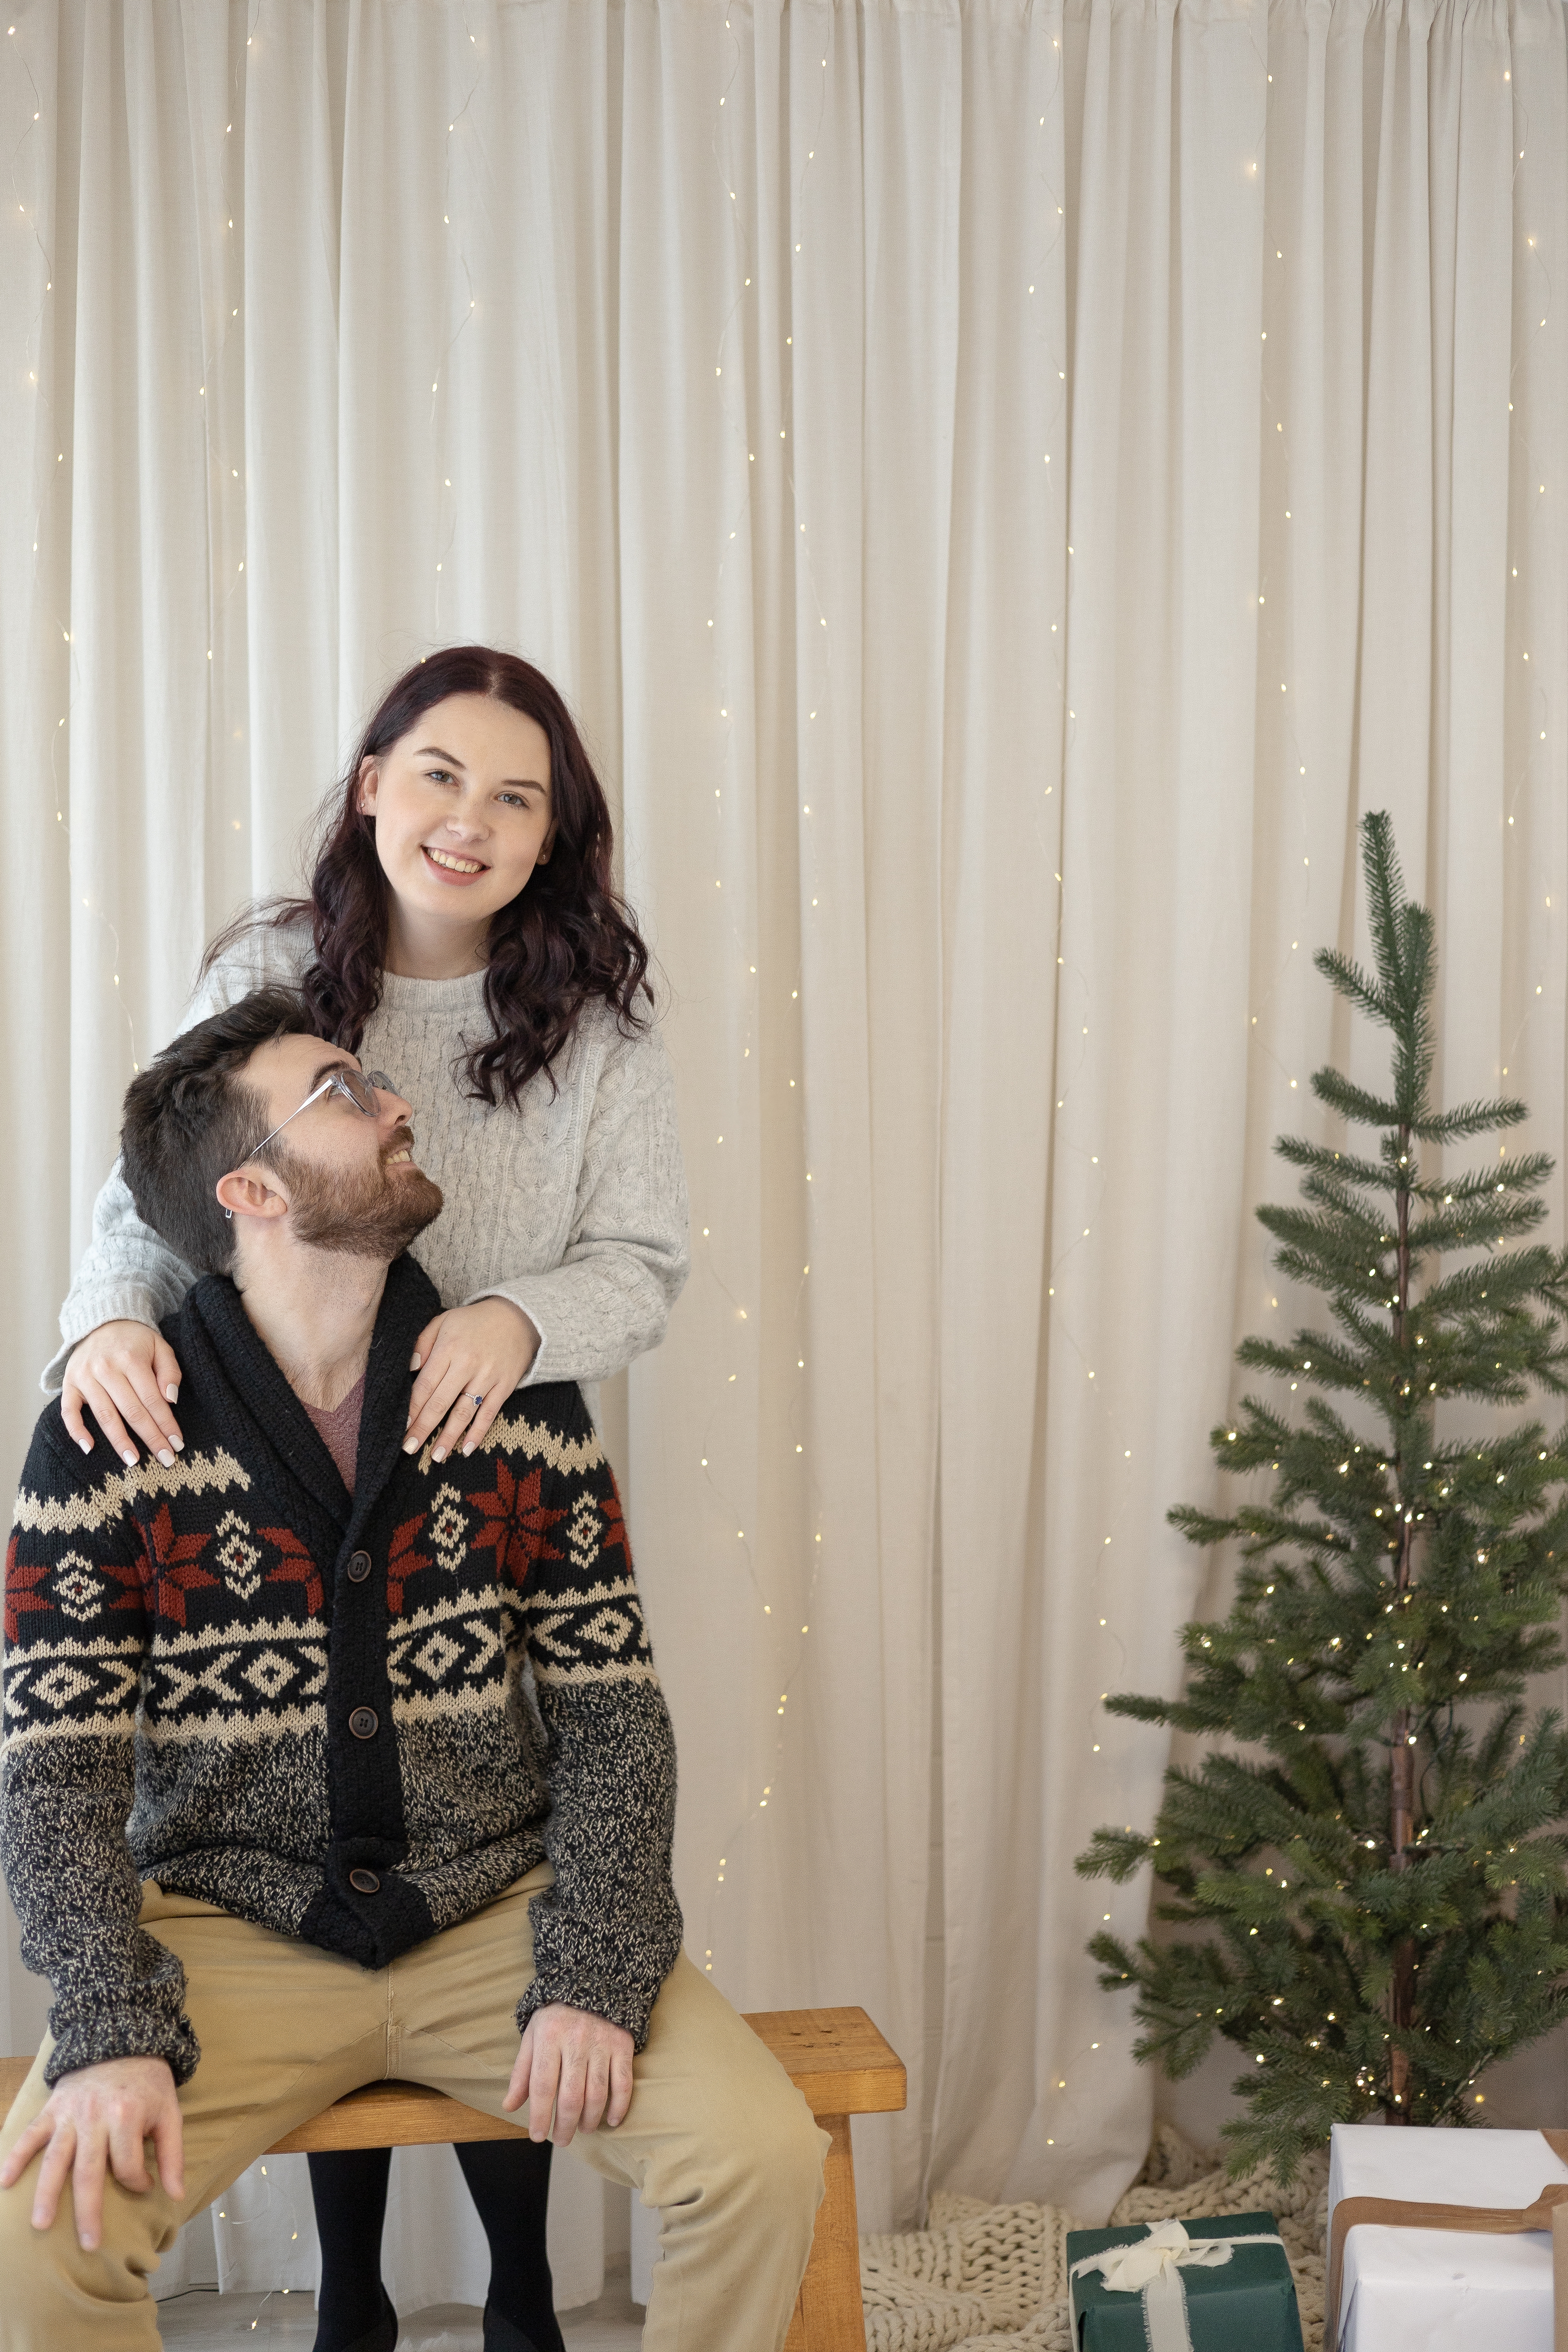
<point>462,808</point>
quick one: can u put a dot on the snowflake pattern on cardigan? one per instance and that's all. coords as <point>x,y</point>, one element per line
<point>354,1720</point>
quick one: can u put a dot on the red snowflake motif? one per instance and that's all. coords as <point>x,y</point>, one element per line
<point>614,1535</point>
<point>516,1523</point>
<point>403,1561</point>
<point>138,1575</point>
<point>170,1568</point>
<point>22,1581</point>
<point>296,1566</point>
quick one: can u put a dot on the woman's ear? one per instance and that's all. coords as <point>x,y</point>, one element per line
<point>369,782</point>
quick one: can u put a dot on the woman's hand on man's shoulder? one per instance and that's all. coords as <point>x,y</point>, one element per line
<point>128,1377</point>
<point>469,1359</point>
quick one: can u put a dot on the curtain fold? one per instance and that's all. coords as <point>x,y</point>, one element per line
<point>1006,487</point>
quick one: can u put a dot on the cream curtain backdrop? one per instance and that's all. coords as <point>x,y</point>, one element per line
<point>1004,486</point>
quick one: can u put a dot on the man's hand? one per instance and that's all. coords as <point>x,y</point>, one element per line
<point>99,2116</point>
<point>130,1375</point>
<point>575,2065</point>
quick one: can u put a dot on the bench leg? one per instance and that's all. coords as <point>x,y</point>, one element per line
<point>829,2315</point>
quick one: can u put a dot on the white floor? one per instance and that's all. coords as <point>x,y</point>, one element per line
<point>204,2322</point>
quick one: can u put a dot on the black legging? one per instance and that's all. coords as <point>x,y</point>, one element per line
<point>509,2180</point>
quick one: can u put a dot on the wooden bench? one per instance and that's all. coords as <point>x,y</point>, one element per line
<point>835,2056</point>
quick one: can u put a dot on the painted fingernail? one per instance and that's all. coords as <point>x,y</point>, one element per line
<point>130,1460</point>
<point>413,1363</point>
<point>173,1393</point>
<point>85,1444</point>
<point>177,1442</point>
<point>167,1457</point>
<point>438,1453</point>
<point>411,1445</point>
<point>466,1451</point>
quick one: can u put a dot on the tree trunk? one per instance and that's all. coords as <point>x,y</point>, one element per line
<point>1401,1752</point>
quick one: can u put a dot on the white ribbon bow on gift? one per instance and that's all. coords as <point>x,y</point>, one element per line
<point>1153,2267</point>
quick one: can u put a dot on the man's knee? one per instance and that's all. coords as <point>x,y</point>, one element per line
<point>20,2246</point>
<point>53,2289</point>
<point>26,2268</point>
<point>39,2291</point>
<point>781,2149</point>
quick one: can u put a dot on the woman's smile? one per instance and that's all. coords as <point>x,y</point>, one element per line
<point>451,868</point>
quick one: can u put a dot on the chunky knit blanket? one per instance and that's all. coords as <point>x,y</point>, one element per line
<point>982,2276</point>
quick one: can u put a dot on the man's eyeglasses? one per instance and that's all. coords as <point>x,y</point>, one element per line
<point>357,1086</point>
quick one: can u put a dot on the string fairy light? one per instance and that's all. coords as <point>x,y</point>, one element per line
<point>742,430</point>
<point>40,532</point>
<point>1064,2110</point>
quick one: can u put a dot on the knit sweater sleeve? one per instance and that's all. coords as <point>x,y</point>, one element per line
<point>127,1271</point>
<point>629,1249</point>
<point>608,1932</point>
<point>77,1632</point>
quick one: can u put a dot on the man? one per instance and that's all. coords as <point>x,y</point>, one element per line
<point>278,1813</point>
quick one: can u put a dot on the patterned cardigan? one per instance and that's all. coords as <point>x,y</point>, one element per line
<point>310,1709</point>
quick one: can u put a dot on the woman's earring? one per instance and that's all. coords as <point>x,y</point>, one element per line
<point>229,1214</point>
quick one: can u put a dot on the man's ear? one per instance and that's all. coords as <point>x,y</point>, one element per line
<point>242,1195</point>
<point>369,785</point>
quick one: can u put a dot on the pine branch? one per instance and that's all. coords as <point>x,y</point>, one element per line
<point>1352,982</point>
<point>1353,1102</point>
<point>1384,890</point>
<point>1469,1119</point>
<point>1337,1231</point>
<point>1474,1228</point>
<point>1344,1166</point>
<point>1526,1173</point>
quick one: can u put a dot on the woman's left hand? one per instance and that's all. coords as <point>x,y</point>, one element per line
<point>479,1352</point>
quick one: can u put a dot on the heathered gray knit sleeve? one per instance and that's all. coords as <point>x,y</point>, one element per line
<point>629,1250</point>
<point>608,1932</point>
<point>68,1719</point>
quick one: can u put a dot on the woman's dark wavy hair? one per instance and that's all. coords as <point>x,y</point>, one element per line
<point>567,936</point>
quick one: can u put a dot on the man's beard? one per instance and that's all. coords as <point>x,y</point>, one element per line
<point>373,1215</point>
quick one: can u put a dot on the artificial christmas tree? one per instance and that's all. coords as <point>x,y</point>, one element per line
<point>1372,1896</point>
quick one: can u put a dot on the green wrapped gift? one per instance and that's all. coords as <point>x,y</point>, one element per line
<point>1218,2285</point>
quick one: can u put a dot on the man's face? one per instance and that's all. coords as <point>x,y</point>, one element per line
<point>350,1181</point>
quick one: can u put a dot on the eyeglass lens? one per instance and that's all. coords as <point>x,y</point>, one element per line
<point>361,1088</point>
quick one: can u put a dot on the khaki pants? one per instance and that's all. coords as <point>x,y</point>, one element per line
<point>717,2136</point>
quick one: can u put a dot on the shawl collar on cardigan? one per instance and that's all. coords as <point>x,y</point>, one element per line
<point>265,1424</point>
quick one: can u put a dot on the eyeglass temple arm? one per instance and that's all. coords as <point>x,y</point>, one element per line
<point>325,1088</point>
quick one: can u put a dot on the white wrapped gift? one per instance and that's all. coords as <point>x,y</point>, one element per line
<point>1432,2290</point>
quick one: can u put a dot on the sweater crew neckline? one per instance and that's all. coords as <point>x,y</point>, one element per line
<point>399,993</point>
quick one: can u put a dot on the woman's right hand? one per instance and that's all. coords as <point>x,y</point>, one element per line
<point>128,1375</point>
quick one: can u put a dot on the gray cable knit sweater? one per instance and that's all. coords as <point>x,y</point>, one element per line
<point>573,1206</point>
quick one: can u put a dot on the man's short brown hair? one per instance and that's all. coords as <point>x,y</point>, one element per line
<point>190,1117</point>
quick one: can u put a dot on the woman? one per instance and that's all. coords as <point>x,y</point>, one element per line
<point>462,933</point>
